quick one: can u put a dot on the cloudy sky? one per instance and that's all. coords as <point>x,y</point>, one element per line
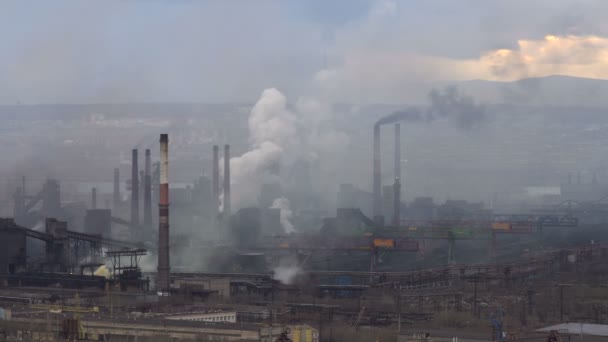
<point>346,50</point>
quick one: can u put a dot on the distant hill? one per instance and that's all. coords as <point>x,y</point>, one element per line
<point>550,91</point>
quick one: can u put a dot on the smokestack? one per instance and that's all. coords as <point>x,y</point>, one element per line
<point>397,203</point>
<point>397,151</point>
<point>116,194</point>
<point>93,198</point>
<point>163,217</point>
<point>148,192</point>
<point>216,178</point>
<point>227,181</point>
<point>134,191</point>
<point>578,177</point>
<point>377,178</point>
<point>142,183</point>
<point>397,186</point>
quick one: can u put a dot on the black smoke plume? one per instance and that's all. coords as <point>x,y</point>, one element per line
<point>409,115</point>
<point>447,103</point>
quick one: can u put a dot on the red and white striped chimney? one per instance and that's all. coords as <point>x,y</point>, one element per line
<point>163,281</point>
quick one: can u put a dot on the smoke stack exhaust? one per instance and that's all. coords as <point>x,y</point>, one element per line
<point>398,151</point>
<point>163,217</point>
<point>397,185</point>
<point>134,191</point>
<point>148,192</point>
<point>216,178</point>
<point>93,198</point>
<point>116,194</point>
<point>378,217</point>
<point>227,181</point>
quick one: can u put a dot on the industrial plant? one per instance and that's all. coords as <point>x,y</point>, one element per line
<point>198,267</point>
<point>303,171</point>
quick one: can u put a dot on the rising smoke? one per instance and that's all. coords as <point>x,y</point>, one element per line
<point>272,129</point>
<point>286,214</point>
<point>287,271</point>
<point>448,103</point>
<point>279,138</point>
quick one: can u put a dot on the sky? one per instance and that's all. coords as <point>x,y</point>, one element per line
<point>363,51</point>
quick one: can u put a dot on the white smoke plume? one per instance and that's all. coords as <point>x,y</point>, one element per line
<point>282,203</point>
<point>287,271</point>
<point>278,137</point>
<point>39,226</point>
<point>272,128</point>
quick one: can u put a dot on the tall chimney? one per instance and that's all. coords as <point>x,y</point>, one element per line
<point>397,186</point>
<point>142,183</point>
<point>148,192</point>
<point>378,218</point>
<point>227,181</point>
<point>116,194</point>
<point>398,151</point>
<point>134,191</point>
<point>163,217</point>
<point>216,178</point>
<point>397,203</point>
<point>93,198</point>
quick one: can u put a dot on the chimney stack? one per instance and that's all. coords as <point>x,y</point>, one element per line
<point>134,191</point>
<point>163,281</point>
<point>216,178</point>
<point>142,183</point>
<point>148,192</point>
<point>397,186</point>
<point>378,217</point>
<point>227,181</point>
<point>93,198</point>
<point>116,194</point>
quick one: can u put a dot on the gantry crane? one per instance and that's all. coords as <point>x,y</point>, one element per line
<point>71,328</point>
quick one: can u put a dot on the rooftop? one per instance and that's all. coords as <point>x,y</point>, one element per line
<point>579,329</point>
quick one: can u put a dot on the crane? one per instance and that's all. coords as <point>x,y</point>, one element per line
<point>71,328</point>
